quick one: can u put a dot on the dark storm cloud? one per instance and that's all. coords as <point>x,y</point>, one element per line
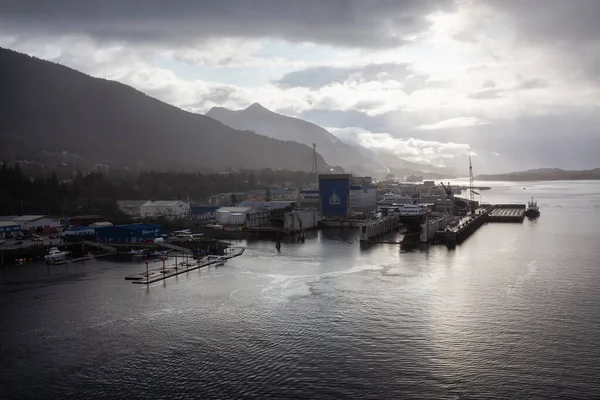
<point>338,22</point>
<point>571,28</point>
<point>553,21</point>
<point>317,77</point>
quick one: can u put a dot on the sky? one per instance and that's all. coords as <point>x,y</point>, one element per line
<point>513,83</point>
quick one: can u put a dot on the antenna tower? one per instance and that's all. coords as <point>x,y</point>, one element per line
<point>471,188</point>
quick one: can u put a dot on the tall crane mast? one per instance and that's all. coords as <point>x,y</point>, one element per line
<point>472,191</point>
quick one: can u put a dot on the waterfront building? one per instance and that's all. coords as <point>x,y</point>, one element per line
<point>203,213</point>
<point>37,223</point>
<point>341,193</point>
<point>8,227</point>
<point>131,233</point>
<point>169,209</point>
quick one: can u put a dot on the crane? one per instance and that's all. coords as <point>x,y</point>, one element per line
<point>450,197</point>
<point>447,189</point>
<point>472,191</point>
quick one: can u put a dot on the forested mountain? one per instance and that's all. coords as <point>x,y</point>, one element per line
<point>544,174</point>
<point>47,109</point>
<point>268,123</point>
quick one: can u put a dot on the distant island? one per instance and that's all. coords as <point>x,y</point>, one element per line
<point>544,174</point>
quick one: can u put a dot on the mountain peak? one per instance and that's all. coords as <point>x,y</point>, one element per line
<point>256,107</point>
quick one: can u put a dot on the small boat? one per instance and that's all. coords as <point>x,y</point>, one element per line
<point>137,253</point>
<point>163,253</point>
<point>56,256</point>
<point>532,210</point>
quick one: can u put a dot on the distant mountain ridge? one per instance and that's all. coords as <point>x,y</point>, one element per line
<point>48,109</point>
<point>543,174</point>
<point>351,157</point>
<point>268,123</point>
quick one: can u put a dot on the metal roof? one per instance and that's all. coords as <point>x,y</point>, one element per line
<point>28,218</point>
<point>137,226</point>
<point>85,217</point>
<point>79,229</point>
<point>100,224</point>
<point>235,209</point>
<point>8,223</point>
<point>162,203</point>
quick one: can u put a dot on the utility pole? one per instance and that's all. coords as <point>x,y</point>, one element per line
<point>315,165</point>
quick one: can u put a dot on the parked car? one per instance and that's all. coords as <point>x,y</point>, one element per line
<point>37,239</point>
<point>2,241</point>
<point>51,237</point>
<point>19,242</point>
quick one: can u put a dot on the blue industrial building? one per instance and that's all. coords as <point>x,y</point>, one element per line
<point>203,212</point>
<point>8,227</point>
<point>132,233</point>
<point>334,193</point>
<point>80,233</point>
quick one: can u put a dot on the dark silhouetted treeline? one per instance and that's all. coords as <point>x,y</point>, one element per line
<point>98,192</point>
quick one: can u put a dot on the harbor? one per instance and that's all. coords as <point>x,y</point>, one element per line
<point>321,296</point>
<point>423,212</point>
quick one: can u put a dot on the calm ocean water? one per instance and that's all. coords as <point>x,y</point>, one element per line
<point>512,313</point>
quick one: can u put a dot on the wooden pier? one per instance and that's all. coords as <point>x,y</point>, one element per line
<point>186,265</point>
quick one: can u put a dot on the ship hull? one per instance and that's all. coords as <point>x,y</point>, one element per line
<point>532,213</point>
<point>412,222</point>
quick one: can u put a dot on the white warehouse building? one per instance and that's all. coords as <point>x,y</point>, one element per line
<point>37,223</point>
<point>239,216</point>
<point>169,209</point>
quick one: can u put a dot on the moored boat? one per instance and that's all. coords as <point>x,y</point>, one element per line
<point>412,215</point>
<point>56,256</point>
<point>532,210</point>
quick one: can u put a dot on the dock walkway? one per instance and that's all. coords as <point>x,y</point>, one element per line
<point>101,246</point>
<point>170,246</point>
<point>169,271</point>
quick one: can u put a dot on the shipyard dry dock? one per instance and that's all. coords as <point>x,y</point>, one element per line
<point>495,213</point>
<point>444,234</point>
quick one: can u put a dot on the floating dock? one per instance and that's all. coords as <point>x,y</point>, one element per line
<point>168,271</point>
<point>507,213</point>
<point>442,230</point>
<point>495,213</point>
